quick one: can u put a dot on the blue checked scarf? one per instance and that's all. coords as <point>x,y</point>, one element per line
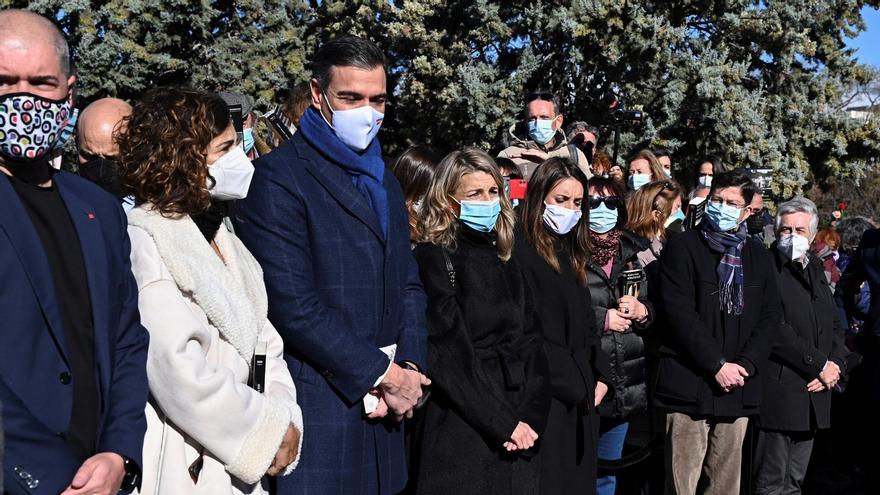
<point>730,270</point>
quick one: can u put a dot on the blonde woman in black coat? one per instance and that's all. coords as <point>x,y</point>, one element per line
<point>491,390</point>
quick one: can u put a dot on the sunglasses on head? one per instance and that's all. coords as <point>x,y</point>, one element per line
<point>666,185</point>
<point>539,96</point>
<point>611,202</point>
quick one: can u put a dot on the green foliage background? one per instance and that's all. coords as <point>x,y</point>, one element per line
<point>761,81</point>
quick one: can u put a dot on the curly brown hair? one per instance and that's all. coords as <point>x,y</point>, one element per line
<point>162,152</point>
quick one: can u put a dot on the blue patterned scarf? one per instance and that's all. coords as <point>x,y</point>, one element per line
<point>367,169</point>
<point>730,269</point>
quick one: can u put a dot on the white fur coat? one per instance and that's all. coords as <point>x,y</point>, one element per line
<point>204,320</point>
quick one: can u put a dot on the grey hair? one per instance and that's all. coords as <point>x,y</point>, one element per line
<point>694,191</point>
<point>799,204</point>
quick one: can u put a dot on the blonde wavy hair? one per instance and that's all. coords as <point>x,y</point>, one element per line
<point>437,222</point>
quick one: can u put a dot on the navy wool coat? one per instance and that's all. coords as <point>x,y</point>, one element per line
<point>338,291</point>
<point>34,370</point>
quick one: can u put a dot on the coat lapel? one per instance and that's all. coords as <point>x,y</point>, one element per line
<point>16,222</point>
<point>339,185</point>
<point>94,253</point>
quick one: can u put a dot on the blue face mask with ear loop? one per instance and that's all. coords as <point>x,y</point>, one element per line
<point>636,181</point>
<point>479,215</point>
<point>248,139</point>
<point>722,217</point>
<point>541,131</point>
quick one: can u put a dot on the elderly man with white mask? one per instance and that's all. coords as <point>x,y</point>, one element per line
<point>807,360</point>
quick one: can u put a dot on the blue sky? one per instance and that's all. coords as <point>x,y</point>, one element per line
<point>868,42</point>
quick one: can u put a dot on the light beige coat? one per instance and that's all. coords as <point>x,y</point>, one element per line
<point>204,320</point>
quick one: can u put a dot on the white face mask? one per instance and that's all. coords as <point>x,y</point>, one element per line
<point>356,127</point>
<point>232,175</point>
<point>705,180</point>
<point>793,246</point>
<point>560,219</point>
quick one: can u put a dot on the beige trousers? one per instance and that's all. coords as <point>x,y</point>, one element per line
<point>710,449</point>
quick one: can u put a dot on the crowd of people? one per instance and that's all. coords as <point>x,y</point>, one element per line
<point>218,301</point>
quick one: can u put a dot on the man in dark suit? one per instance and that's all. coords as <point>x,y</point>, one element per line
<point>72,351</point>
<point>864,266</point>
<point>806,360</point>
<point>720,300</point>
<point>328,224</point>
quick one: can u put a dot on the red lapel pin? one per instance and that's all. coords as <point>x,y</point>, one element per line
<point>91,216</point>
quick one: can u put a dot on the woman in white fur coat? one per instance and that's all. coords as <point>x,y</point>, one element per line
<point>203,301</point>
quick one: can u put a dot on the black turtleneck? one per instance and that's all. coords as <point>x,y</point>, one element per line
<point>209,221</point>
<point>63,252</point>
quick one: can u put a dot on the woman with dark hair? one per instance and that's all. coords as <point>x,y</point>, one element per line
<point>619,291</point>
<point>709,167</point>
<point>551,248</point>
<point>414,169</point>
<point>202,298</point>
<point>491,390</point>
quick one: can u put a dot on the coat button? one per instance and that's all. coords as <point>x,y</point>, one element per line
<point>61,435</point>
<point>32,483</point>
<point>327,374</point>
<point>809,359</point>
<point>64,378</point>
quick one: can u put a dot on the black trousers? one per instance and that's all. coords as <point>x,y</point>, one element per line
<point>781,460</point>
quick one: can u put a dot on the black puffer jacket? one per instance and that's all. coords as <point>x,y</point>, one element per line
<point>627,381</point>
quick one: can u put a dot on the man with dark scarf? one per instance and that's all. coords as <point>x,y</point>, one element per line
<point>722,311</point>
<point>328,223</point>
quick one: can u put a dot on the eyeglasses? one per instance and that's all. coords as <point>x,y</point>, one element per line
<point>732,204</point>
<point>611,202</point>
<point>539,96</point>
<point>757,211</point>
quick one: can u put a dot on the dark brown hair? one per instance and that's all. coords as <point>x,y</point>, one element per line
<point>414,169</point>
<point>162,152</point>
<point>545,177</point>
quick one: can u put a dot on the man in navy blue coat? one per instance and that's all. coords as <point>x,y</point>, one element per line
<point>73,380</point>
<point>328,224</point>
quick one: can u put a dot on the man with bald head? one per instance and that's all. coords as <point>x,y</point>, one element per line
<point>97,148</point>
<point>72,350</point>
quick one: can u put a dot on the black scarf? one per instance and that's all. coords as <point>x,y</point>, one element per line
<point>209,221</point>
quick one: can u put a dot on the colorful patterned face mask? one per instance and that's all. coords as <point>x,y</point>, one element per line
<point>30,125</point>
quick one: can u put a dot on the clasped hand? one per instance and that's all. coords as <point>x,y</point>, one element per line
<point>398,393</point>
<point>731,375</point>
<point>522,438</point>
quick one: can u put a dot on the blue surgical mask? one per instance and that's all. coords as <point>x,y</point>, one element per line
<point>479,215</point>
<point>679,215</point>
<point>248,140</point>
<point>722,217</point>
<point>636,181</point>
<point>602,219</point>
<point>541,131</point>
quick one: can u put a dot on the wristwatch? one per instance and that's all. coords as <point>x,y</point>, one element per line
<point>132,476</point>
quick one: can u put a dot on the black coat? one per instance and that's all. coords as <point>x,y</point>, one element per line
<point>698,336</point>
<point>810,335</point>
<point>486,360</point>
<point>568,448</point>
<point>627,377</point>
